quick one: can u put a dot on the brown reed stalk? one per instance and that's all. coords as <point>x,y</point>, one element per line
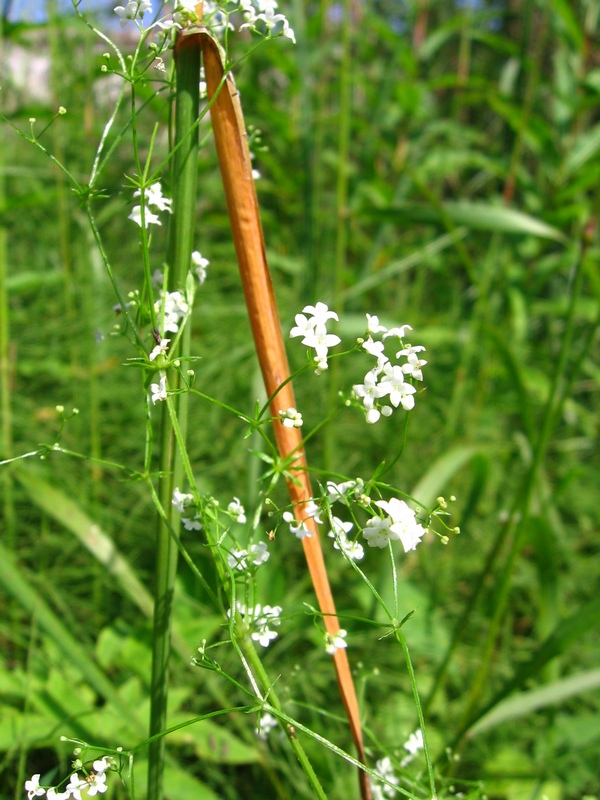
<point>240,193</point>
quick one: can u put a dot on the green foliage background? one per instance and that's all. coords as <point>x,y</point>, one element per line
<point>434,163</point>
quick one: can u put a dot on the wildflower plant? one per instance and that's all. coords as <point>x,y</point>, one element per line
<point>356,516</point>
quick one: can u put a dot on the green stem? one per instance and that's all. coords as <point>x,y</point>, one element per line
<point>181,237</point>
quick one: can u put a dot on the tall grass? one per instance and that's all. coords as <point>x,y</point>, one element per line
<point>433,164</point>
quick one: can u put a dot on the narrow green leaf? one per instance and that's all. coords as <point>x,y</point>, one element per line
<point>15,583</point>
<point>527,702</point>
<point>69,514</point>
<point>435,480</point>
<point>477,216</point>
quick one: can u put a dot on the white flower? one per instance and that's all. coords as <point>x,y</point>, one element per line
<point>303,326</point>
<point>320,314</point>
<point>149,217</point>
<point>236,509</point>
<point>176,307</point>
<point>378,532</point>
<point>160,349</point>
<point>266,724</point>
<point>414,364</point>
<point>314,332</point>
<point>259,553</point>
<point>403,523</point>
<point>353,550</point>
<point>52,794</point>
<point>106,762</point>
<point>342,491</point>
<point>237,559</point>
<point>180,500</point>
<point>269,615</point>
<point>370,390</point>
<point>96,783</point>
<point>339,532</point>
<point>132,10</point>
<point>200,264</point>
<point>290,418</point>
<point>400,392</point>
<point>299,529</point>
<point>336,641</point>
<point>33,788</point>
<point>154,197</point>
<point>415,742</point>
<point>385,771</point>
<point>264,636</point>
<point>75,785</point>
<point>340,528</point>
<point>159,390</point>
<point>192,524</point>
<point>189,6</point>
<point>373,325</point>
<point>400,333</point>
<point>376,349</point>
<point>311,509</point>
<point>258,616</point>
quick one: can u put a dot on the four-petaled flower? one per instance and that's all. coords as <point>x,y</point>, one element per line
<point>299,529</point>
<point>335,641</point>
<point>33,788</point>
<point>160,349</point>
<point>159,390</point>
<point>236,509</point>
<point>149,217</point>
<point>401,523</point>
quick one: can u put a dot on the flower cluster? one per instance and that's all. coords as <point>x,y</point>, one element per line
<point>214,17</point>
<point>258,620</point>
<point>300,529</point>
<point>154,199</point>
<point>399,523</point>
<point>91,784</point>
<point>387,380</point>
<point>339,533</point>
<point>384,769</point>
<point>266,9</point>
<point>257,553</point>
<point>313,329</point>
<point>290,418</point>
<point>135,9</point>
<point>186,506</point>
<point>176,307</point>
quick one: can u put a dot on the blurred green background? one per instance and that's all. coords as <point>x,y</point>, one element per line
<point>435,163</point>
